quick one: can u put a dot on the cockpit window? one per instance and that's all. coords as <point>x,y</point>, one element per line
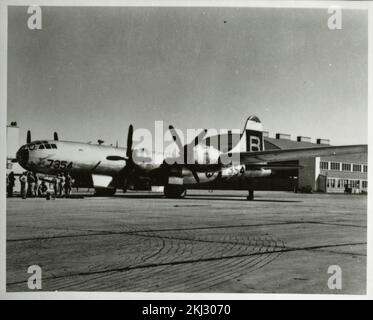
<point>53,146</point>
<point>48,146</point>
<point>41,147</point>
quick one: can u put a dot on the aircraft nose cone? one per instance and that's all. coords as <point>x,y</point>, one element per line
<point>22,156</point>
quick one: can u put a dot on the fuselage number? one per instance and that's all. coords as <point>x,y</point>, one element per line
<point>58,164</point>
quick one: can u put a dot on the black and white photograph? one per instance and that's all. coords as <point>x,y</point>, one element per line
<point>186,148</point>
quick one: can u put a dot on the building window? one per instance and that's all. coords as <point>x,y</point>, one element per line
<point>340,183</point>
<point>364,184</point>
<point>335,166</point>
<point>365,168</point>
<point>331,183</point>
<point>356,168</point>
<point>324,165</point>
<point>346,166</point>
<point>355,183</point>
<point>345,183</point>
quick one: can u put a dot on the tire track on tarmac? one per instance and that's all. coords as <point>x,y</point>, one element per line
<point>177,259</point>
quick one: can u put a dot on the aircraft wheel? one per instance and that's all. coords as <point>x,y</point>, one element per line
<point>104,192</point>
<point>174,191</point>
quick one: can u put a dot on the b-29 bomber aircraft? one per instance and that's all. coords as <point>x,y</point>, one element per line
<point>199,163</point>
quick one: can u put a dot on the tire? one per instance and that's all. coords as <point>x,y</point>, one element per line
<point>174,192</point>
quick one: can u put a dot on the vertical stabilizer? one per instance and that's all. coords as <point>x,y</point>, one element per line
<point>251,137</point>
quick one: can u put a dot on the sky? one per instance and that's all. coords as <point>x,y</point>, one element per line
<point>90,72</point>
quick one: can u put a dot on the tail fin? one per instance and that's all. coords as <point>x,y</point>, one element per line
<point>251,137</point>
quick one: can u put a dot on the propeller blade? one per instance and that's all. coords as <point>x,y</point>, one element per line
<point>129,142</point>
<point>28,139</point>
<point>55,136</point>
<point>176,137</point>
<point>200,136</point>
<point>189,147</point>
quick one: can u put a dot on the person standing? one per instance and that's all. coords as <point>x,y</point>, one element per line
<point>68,184</point>
<point>61,184</point>
<point>10,183</point>
<point>23,180</point>
<point>30,184</point>
<point>36,184</point>
<point>55,185</point>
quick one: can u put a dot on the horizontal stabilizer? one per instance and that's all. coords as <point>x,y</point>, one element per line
<point>294,154</point>
<point>274,166</point>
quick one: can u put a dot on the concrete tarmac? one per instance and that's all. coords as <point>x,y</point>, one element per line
<point>208,242</point>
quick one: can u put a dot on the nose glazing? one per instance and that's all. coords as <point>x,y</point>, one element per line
<point>22,156</point>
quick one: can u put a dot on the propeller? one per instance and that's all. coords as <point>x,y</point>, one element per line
<point>55,136</point>
<point>129,168</point>
<point>28,139</point>
<point>187,148</point>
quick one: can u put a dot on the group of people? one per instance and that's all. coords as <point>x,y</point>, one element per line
<point>62,184</point>
<point>30,186</point>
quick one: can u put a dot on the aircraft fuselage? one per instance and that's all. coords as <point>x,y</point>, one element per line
<point>79,159</point>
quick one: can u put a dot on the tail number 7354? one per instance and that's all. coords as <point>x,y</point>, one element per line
<point>58,164</point>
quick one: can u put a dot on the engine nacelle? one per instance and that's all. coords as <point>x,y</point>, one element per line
<point>241,171</point>
<point>257,173</point>
<point>144,160</point>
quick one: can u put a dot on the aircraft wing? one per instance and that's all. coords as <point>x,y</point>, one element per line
<point>294,154</point>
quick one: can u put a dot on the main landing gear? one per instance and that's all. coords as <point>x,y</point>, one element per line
<point>174,191</point>
<point>250,196</point>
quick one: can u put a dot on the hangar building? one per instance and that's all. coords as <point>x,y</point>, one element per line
<point>334,174</point>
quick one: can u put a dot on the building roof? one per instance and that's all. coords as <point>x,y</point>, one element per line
<point>273,144</point>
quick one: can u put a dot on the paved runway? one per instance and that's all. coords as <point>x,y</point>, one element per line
<point>208,242</point>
